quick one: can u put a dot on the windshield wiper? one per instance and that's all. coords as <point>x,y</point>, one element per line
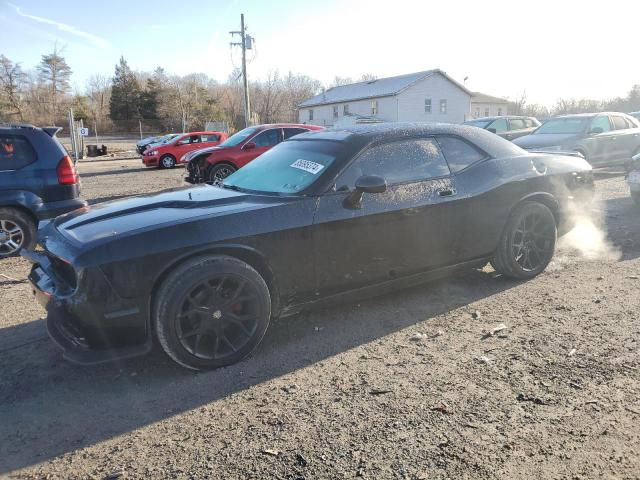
<point>230,187</point>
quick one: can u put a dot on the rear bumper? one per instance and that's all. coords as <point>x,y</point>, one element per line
<point>86,332</point>
<point>53,209</point>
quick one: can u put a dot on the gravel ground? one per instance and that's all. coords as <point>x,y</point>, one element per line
<point>410,385</point>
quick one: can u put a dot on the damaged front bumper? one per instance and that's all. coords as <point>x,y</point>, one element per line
<point>88,331</point>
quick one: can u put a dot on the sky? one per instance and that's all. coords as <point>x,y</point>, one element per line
<point>547,49</point>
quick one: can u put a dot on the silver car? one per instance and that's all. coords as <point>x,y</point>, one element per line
<point>604,139</point>
<point>633,179</point>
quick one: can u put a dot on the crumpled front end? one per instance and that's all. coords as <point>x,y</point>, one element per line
<point>86,317</point>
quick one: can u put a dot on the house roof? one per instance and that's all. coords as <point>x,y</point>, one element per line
<point>479,97</point>
<point>381,87</point>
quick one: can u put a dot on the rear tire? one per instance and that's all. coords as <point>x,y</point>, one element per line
<point>527,243</point>
<point>211,312</point>
<point>218,172</point>
<point>167,161</point>
<point>17,231</point>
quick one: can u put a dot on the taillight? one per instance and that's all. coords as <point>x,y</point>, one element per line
<point>67,174</point>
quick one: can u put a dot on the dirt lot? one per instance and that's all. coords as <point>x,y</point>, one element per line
<point>351,391</point>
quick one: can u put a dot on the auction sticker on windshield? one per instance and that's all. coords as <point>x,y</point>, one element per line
<point>307,166</point>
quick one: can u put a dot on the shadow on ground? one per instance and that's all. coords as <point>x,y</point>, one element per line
<point>40,392</point>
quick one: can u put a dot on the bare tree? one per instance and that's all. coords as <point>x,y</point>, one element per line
<point>54,72</point>
<point>98,93</point>
<point>12,82</point>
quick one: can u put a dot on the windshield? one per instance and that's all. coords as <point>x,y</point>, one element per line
<point>289,167</point>
<point>478,123</point>
<point>238,137</point>
<point>564,125</point>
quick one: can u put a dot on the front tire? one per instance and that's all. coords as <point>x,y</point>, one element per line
<point>212,312</point>
<point>167,161</point>
<point>17,231</point>
<point>218,172</point>
<point>527,243</point>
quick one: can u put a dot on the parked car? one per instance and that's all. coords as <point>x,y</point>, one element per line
<point>145,143</point>
<point>604,139</point>
<point>633,178</point>
<point>325,215</point>
<point>508,127</point>
<point>169,153</point>
<point>239,149</point>
<point>37,181</point>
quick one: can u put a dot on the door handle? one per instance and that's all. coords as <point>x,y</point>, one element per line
<point>447,192</point>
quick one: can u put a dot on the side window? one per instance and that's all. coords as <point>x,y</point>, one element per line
<point>398,162</point>
<point>311,114</point>
<point>210,138</point>
<point>443,106</point>
<point>499,125</point>
<point>267,138</point>
<point>459,154</point>
<point>15,152</point>
<point>601,122</point>
<point>290,132</point>
<point>195,138</point>
<point>516,123</point>
<point>427,105</point>
<point>184,141</point>
<point>619,123</point>
<point>345,109</point>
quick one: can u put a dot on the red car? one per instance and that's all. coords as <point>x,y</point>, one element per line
<point>167,155</point>
<point>214,164</point>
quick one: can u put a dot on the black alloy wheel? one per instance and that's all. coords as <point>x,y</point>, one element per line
<point>212,311</point>
<point>528,242</point>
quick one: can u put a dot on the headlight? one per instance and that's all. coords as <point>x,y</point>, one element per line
<point>153,152</point>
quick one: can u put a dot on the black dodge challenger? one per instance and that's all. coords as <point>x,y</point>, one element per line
<point>323,216</point>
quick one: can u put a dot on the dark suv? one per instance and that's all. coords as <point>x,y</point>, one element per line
<point>37,181</point>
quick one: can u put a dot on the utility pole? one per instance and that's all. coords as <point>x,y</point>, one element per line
<point>245,44</point>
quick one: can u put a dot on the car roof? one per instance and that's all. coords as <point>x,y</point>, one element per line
<point>588,115</point>
<point>264,126</point>
<point>199,133</point>
<point>368,133</point>
<point>498,116</point>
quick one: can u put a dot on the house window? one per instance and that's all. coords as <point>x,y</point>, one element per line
<point>499,112</point>
<point>486,112</point>
<point>374,107</point>
<point>335,111</point>
<point>311,114</point>
<point>427,105</point>
<point>443,106</point>
<point>345,109</point>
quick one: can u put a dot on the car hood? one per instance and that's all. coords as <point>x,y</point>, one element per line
<point>545,140</point>
<point>194,153</point>
<point>106,222</point>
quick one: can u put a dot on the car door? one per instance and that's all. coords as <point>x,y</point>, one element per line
<point>499,126</point>
<point>601,141</point>
<point>627,140</point>
<point>185,144</point>
<point>402,231</point>
<point>517,128</point>
<point>259,143</point>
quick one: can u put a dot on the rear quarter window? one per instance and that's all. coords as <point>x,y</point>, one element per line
<point>15,152</point>
<point>460,154</point>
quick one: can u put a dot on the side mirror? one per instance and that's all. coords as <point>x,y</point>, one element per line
<point>595,131</point>
<point>365,184</point>
<point>249,146</point>
<point>492,130</point>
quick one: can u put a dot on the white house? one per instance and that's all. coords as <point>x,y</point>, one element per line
<point>483,105</point>
<point>430,96</point>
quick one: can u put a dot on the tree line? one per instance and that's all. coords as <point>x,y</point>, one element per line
<point>165,102</point>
